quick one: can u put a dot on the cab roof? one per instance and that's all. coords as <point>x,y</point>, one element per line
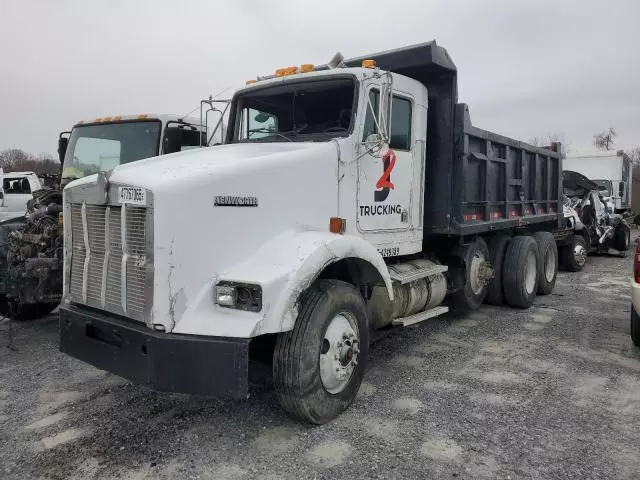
<point>163,117</point>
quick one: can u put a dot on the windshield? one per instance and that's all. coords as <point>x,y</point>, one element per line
<point>95,148</point>
<point>304,111</point>
<point>605,186</point>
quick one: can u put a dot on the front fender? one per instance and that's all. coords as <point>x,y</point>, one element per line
<point>284,267</point>
<point>313,252</point>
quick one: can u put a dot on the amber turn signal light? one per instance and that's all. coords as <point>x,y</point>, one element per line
<point>337,225</point>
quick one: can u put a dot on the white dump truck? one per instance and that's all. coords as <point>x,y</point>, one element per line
<point>347,198</point>
<point>610,170</point>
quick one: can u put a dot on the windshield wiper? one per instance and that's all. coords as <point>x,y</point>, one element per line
<point>270,132</point>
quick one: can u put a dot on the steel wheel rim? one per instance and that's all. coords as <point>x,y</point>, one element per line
<point>474,273</point>
<point>580,255</point>
<point>550,265</point>
<point>530,273</point>
<point>339,352</point>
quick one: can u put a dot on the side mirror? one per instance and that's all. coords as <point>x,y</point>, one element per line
<point>63,143</point>
<point>384,110</point>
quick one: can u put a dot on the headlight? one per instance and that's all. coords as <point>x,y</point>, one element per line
<point>241,296</point>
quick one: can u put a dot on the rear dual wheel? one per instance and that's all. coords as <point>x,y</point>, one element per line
<point>497,250</point>
<point>474,265</point>
<point>520,272</point>
<point>523,267</point>
<point>547,262</point>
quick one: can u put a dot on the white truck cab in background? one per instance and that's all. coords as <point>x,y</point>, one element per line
<point>611,170</point>
<point>100,145</point>
<point>17,190</point>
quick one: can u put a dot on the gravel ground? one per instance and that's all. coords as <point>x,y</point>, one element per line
<point>550,392</point>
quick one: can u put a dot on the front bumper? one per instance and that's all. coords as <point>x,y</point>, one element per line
<point>168,362</point>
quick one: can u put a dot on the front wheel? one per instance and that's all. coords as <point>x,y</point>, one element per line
<point>319,365</point>
<point>622,238</point>
<point>574,255</point>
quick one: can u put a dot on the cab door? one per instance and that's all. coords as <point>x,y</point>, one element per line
<point>385,178</point>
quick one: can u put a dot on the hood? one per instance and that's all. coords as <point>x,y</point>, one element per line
<point>152,172</point>
<point>200,163</point>
<point>576,184</point>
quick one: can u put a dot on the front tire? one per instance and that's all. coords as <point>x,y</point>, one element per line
<point>547,262</point>
<point>622,238</point>
<point>574,255</point>
<point>520,272</point>
<point>319,365</point>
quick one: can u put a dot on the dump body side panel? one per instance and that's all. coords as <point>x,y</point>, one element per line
<point>495,183</point>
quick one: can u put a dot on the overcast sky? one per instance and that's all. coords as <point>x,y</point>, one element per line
<point>526,67</point>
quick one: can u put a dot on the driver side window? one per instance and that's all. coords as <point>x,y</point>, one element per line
<point>401,111</point>
<point>256,124</point>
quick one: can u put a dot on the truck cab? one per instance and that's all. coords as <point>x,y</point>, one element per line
<point>104,143</point>
<point>339,111</point>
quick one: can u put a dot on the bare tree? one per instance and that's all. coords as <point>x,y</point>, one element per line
<point>12,157</point>
<point>634,155</point>
<point>605,140</point>
<point>549,140</point>
<point>16,160</point>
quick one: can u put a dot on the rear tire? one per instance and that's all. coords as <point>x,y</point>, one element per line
<point>497,249</point>
<point>474,291</point>
<point>574,255</point>
<point>547,262</point>
<point>635,327</point>
<point>622,238</point>
<point>520,272</point>
<point>304,385</point>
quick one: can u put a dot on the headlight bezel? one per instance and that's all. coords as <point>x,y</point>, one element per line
<point>238,296</point>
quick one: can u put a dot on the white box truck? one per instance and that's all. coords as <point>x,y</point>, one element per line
<point>611,170</point>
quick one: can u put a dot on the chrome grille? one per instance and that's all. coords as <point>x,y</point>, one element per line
<point>109,265</point>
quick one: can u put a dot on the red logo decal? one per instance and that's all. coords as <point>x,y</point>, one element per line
<point>384,182</point>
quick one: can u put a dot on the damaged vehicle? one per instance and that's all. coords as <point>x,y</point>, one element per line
<point>595,229</point>
<point>31,246</point>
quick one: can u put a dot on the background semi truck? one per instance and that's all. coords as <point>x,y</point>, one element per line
<point>348,198</point>
<point>610,170</point>
<point>32,250</point>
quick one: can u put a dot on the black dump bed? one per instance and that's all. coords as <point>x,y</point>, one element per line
<point>476,181</point>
